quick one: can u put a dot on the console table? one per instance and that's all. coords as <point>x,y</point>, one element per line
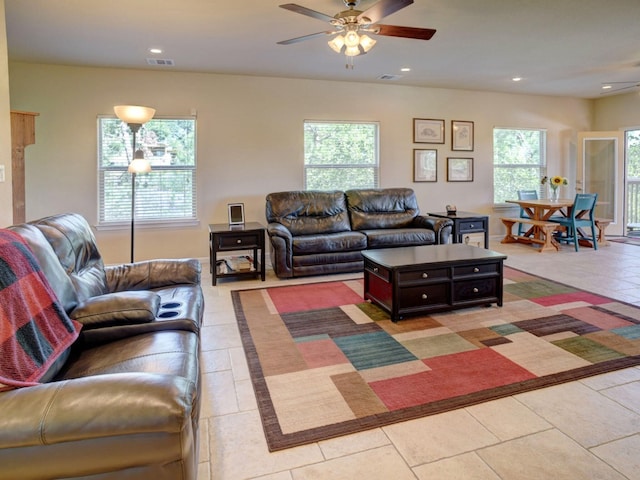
<point>465,223</point>
<point>229,238</point>
<point>434,278</point>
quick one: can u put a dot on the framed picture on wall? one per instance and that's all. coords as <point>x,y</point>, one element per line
<point>425,165</point>
<point>459,169</point>
<point>428,130</point>
<point>461,135</point>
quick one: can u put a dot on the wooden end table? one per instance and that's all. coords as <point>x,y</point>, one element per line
<point>465,223</point>
<point>228,238</point>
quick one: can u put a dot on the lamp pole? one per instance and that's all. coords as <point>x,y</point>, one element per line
<point>135,116</point>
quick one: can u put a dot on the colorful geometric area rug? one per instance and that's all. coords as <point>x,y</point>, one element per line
<point>325,363</point>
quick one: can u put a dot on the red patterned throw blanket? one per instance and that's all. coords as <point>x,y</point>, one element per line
<point>34,328</point>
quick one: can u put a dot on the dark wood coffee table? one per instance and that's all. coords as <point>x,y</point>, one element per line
<point>418,280</point>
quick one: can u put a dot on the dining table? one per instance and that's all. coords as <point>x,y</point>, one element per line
<point>542,210</point>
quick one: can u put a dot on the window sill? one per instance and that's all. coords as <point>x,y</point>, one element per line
<point>141,224</point>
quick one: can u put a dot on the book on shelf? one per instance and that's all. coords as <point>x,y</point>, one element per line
<point>240,263</point>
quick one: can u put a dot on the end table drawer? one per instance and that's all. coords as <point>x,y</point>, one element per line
<point>427,295</point>
<point>247,240</point>
<point>471,226</point>
<point>475,289</point>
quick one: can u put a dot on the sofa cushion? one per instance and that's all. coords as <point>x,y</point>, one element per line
<point>381,208</point>
<point>399,237</point>
<point>330,242</point>
<point>308,212</point>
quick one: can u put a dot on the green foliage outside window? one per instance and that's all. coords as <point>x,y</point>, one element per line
<point>339,156</point>
<point>519,161</point>
<point>168,192</point>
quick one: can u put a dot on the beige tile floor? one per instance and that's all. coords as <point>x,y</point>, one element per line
<point>586,429</point>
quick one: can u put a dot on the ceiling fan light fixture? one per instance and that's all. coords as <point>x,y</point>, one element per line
<point>352,51</point>
<point>337,43</point>
<point>351,39</point>
<point>366,42</point>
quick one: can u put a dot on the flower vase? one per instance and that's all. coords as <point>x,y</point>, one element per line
<point>555,194</point>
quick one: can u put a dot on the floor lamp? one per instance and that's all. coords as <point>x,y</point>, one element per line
<point>135,116</point>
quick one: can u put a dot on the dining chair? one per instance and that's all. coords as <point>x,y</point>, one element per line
<point>525,195</point>
<point>582,216</point>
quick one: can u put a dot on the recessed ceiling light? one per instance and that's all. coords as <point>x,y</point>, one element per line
<point>155,50</point>
<point>516,79</point>
<point>405,69</point>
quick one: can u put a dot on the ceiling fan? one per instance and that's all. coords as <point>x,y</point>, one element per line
<point>608,87</point>
<point>351,26</point>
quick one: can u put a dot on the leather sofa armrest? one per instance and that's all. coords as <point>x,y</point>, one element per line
<point>281,251</point>
<point>102,406</point>
<point>153,274</point>
<point>120,308</point>
<point>442,227</point>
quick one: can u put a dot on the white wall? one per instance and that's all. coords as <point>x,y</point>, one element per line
<point>250,139</point>
<point>6,206</point>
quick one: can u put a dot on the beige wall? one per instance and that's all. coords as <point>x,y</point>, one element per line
<point>250,139</point>
<point>617,112</point>
<point>6,208</point>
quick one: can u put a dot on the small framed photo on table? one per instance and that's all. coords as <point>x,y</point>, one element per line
<point>236,213</point>
<point>459,169</point>
<point>425,165</point>
<point>428,130</point>
<point>461,135</point>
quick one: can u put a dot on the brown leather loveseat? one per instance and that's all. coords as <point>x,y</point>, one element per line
<point>318,232</point>
<point>123,401</point>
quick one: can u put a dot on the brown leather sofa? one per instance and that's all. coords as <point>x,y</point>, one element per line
<point>123,401</point>
<point>314,232</point>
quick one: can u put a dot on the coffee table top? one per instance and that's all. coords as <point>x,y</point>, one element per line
<point>405,256</point>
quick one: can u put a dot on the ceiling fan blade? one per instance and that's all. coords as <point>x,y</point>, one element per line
<point>620,89</point>
<point>306,11</point>
<point>304,37</point>
<point>378,11</point>
<point>406,32</point>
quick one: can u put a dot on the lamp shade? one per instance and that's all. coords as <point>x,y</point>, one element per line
<point>139,164</point>
<point>134,113</point>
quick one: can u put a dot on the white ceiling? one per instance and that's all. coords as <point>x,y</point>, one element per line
<point>561,47</point>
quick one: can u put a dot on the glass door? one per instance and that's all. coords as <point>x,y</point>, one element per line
<point>632,183</point>
<point>600,169</point>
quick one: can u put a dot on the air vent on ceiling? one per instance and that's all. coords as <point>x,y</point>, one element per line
<point>163,62</point>
<point>388,76</point>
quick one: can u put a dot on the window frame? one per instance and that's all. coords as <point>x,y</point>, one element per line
<point>158,221</point>
<point>541,165</point>
<point>338,166</point>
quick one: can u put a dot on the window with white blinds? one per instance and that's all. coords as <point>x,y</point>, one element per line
<point>168,192</point>
<point>340,155</point>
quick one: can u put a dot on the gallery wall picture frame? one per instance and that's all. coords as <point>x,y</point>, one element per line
<point>428,130</point>
<point>459,169</point>
<point>461,135</point>
<point>425,165</point>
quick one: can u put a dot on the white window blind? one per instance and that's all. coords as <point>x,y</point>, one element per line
<point>168,192</point>
<point>340,155</point>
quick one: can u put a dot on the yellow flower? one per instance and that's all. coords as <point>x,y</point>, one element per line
<point>557,181</point>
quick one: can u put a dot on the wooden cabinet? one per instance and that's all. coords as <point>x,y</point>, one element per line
<point>23,133</point>
<point>230,238</point>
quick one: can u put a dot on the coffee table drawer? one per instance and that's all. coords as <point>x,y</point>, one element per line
<point>425,274</point>
<point>378,271</point>
<point>423,296</point>
<point>475,289</point>
<point>464,270</point>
